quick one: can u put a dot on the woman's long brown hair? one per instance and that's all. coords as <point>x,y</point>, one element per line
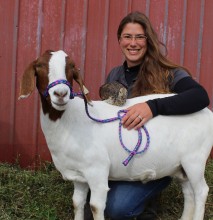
<point>155,72</point>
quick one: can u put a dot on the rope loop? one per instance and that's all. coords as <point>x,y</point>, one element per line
<point>120,112</point>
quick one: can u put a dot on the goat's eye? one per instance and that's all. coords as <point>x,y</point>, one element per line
<point>72,66</point>
<point>40,65</point>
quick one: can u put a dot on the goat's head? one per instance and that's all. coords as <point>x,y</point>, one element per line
<point>52,68</point>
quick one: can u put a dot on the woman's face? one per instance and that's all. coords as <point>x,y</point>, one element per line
<point>133,43</point>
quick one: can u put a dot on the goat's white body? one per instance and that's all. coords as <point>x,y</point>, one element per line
<point>76,135</point>
<point>89,152</point>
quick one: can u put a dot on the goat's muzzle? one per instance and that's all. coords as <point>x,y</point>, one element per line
<point>57,82</point>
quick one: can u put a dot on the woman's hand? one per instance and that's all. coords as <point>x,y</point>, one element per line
<point>136,116</point>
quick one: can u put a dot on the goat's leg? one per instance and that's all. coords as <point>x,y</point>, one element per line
<point>79,199</point>
<point>188,194</point>
<point>195,173</point>
<point>98,201</point>
<point>201,190</point>
<point>99,188</point>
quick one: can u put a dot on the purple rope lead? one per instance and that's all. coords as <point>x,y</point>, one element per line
<point>119,117</point>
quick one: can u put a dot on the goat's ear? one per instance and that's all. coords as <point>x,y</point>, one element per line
<point>27,83</point>
<point>77,77</point>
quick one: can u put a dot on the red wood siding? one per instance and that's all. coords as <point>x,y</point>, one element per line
<point>86,30</point>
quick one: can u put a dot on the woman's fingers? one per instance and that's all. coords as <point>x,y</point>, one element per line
<point>136,116</point>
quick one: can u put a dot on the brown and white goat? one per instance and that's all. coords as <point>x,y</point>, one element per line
<point>89,153</point>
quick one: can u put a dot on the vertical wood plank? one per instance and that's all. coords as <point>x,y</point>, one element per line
<point>53,24</point>
<point>8,39</point>
<point>117,10</point>
<point>157,16</point>
<point>75,31</point>
<point>192,37</point>
<point>26,117</point>
<point>140,5</point>
<point>175,29</point>
<point>94,45</point>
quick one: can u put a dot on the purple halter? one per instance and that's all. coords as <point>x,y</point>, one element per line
<point>120,114</point>
<point>60,81</point>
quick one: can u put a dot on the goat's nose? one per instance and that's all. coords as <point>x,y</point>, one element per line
<point>60,94</point>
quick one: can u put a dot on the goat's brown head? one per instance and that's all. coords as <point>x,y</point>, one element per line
<point>47,69</point>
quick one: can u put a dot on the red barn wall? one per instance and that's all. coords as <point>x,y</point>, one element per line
<point>86,30</point>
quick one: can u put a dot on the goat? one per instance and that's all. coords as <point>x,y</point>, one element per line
<point>89,153</point>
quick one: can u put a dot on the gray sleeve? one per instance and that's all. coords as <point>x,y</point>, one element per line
<point>178,75</point>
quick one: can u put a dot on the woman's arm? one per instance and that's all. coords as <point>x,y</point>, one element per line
<point>191,97</point>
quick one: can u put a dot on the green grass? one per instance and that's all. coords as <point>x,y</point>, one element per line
<point>44,195</point>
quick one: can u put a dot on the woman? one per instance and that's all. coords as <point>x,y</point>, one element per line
<point>146,71</point>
